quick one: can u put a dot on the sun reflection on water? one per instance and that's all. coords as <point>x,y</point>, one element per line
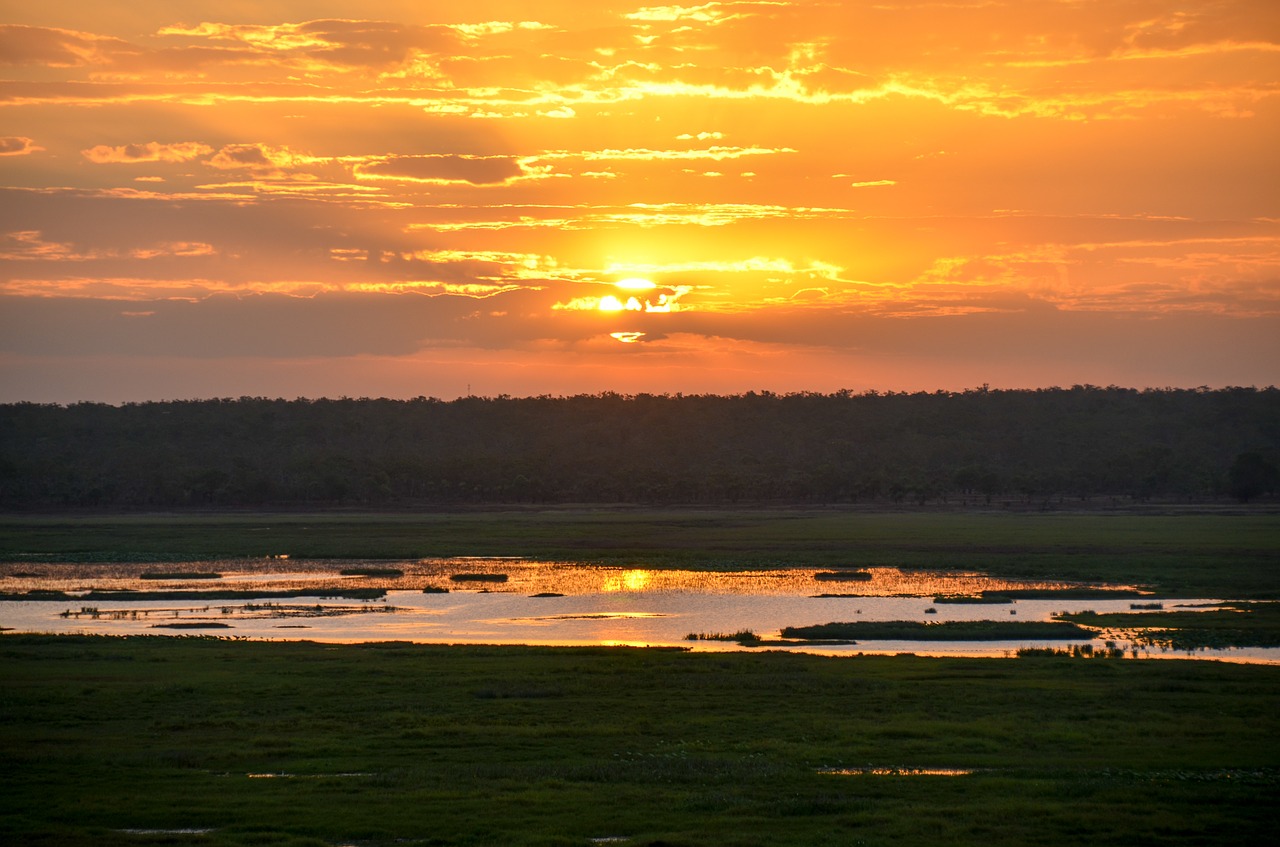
<point>632,580</point>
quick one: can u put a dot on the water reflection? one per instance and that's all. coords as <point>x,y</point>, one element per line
<point>633,580</point>
<point>497,574</point>
<point>553,603</point>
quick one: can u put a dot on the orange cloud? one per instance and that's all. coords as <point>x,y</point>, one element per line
<point>59,48</point>
<point>333,43</point>
<point>711,14</point>
<point>17,145</point>
<point>183,151</point>
<point>442,169</point>
<point>717,153</point>
<point>257,157</point>
<point>31,245</point>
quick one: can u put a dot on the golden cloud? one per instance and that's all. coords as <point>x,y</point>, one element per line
<point>333,42</point>
<point>258,157</point>
<point>183,151</point>
<point>31,245</point>
<point>17,145</point>
<point>645,215</point>
<point>59,48</point>
<point>443,169</point>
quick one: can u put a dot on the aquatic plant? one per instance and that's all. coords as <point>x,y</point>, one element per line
<point>983,598</point>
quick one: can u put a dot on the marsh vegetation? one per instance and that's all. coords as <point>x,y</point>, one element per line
<point>385,744</point>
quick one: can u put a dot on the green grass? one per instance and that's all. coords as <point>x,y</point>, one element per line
<point>385,744</point>
<point>1228,555</point>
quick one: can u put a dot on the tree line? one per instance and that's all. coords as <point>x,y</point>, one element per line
<point>977,446</point>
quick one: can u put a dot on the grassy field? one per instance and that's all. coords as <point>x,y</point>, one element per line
<point>1189,554</point>
<point>126,741</point>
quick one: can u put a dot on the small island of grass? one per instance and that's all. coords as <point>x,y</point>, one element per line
<point>1009,595</point>
<point>942,631</point>
<point>389,573</point>
<point>180,575</point>
<point>745,637</point>
<point>985,598</point>
<point>843,576</point>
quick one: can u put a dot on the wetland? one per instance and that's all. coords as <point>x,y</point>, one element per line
<point>513,601</point>
<point>248,691</point>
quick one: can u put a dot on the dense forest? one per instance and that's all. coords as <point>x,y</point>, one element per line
<point>977,447</point>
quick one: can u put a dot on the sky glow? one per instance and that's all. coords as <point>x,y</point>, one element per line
<point>401,199</point>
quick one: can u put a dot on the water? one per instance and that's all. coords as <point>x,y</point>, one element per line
<point>586,605</point>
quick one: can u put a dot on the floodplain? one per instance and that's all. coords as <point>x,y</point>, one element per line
<point>200,737</point>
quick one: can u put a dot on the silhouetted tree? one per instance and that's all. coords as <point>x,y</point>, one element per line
<point>1027,447</point>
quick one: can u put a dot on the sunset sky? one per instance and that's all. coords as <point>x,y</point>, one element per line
<point>207,199</point>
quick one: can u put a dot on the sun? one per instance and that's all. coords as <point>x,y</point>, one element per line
<point>635,295</point>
